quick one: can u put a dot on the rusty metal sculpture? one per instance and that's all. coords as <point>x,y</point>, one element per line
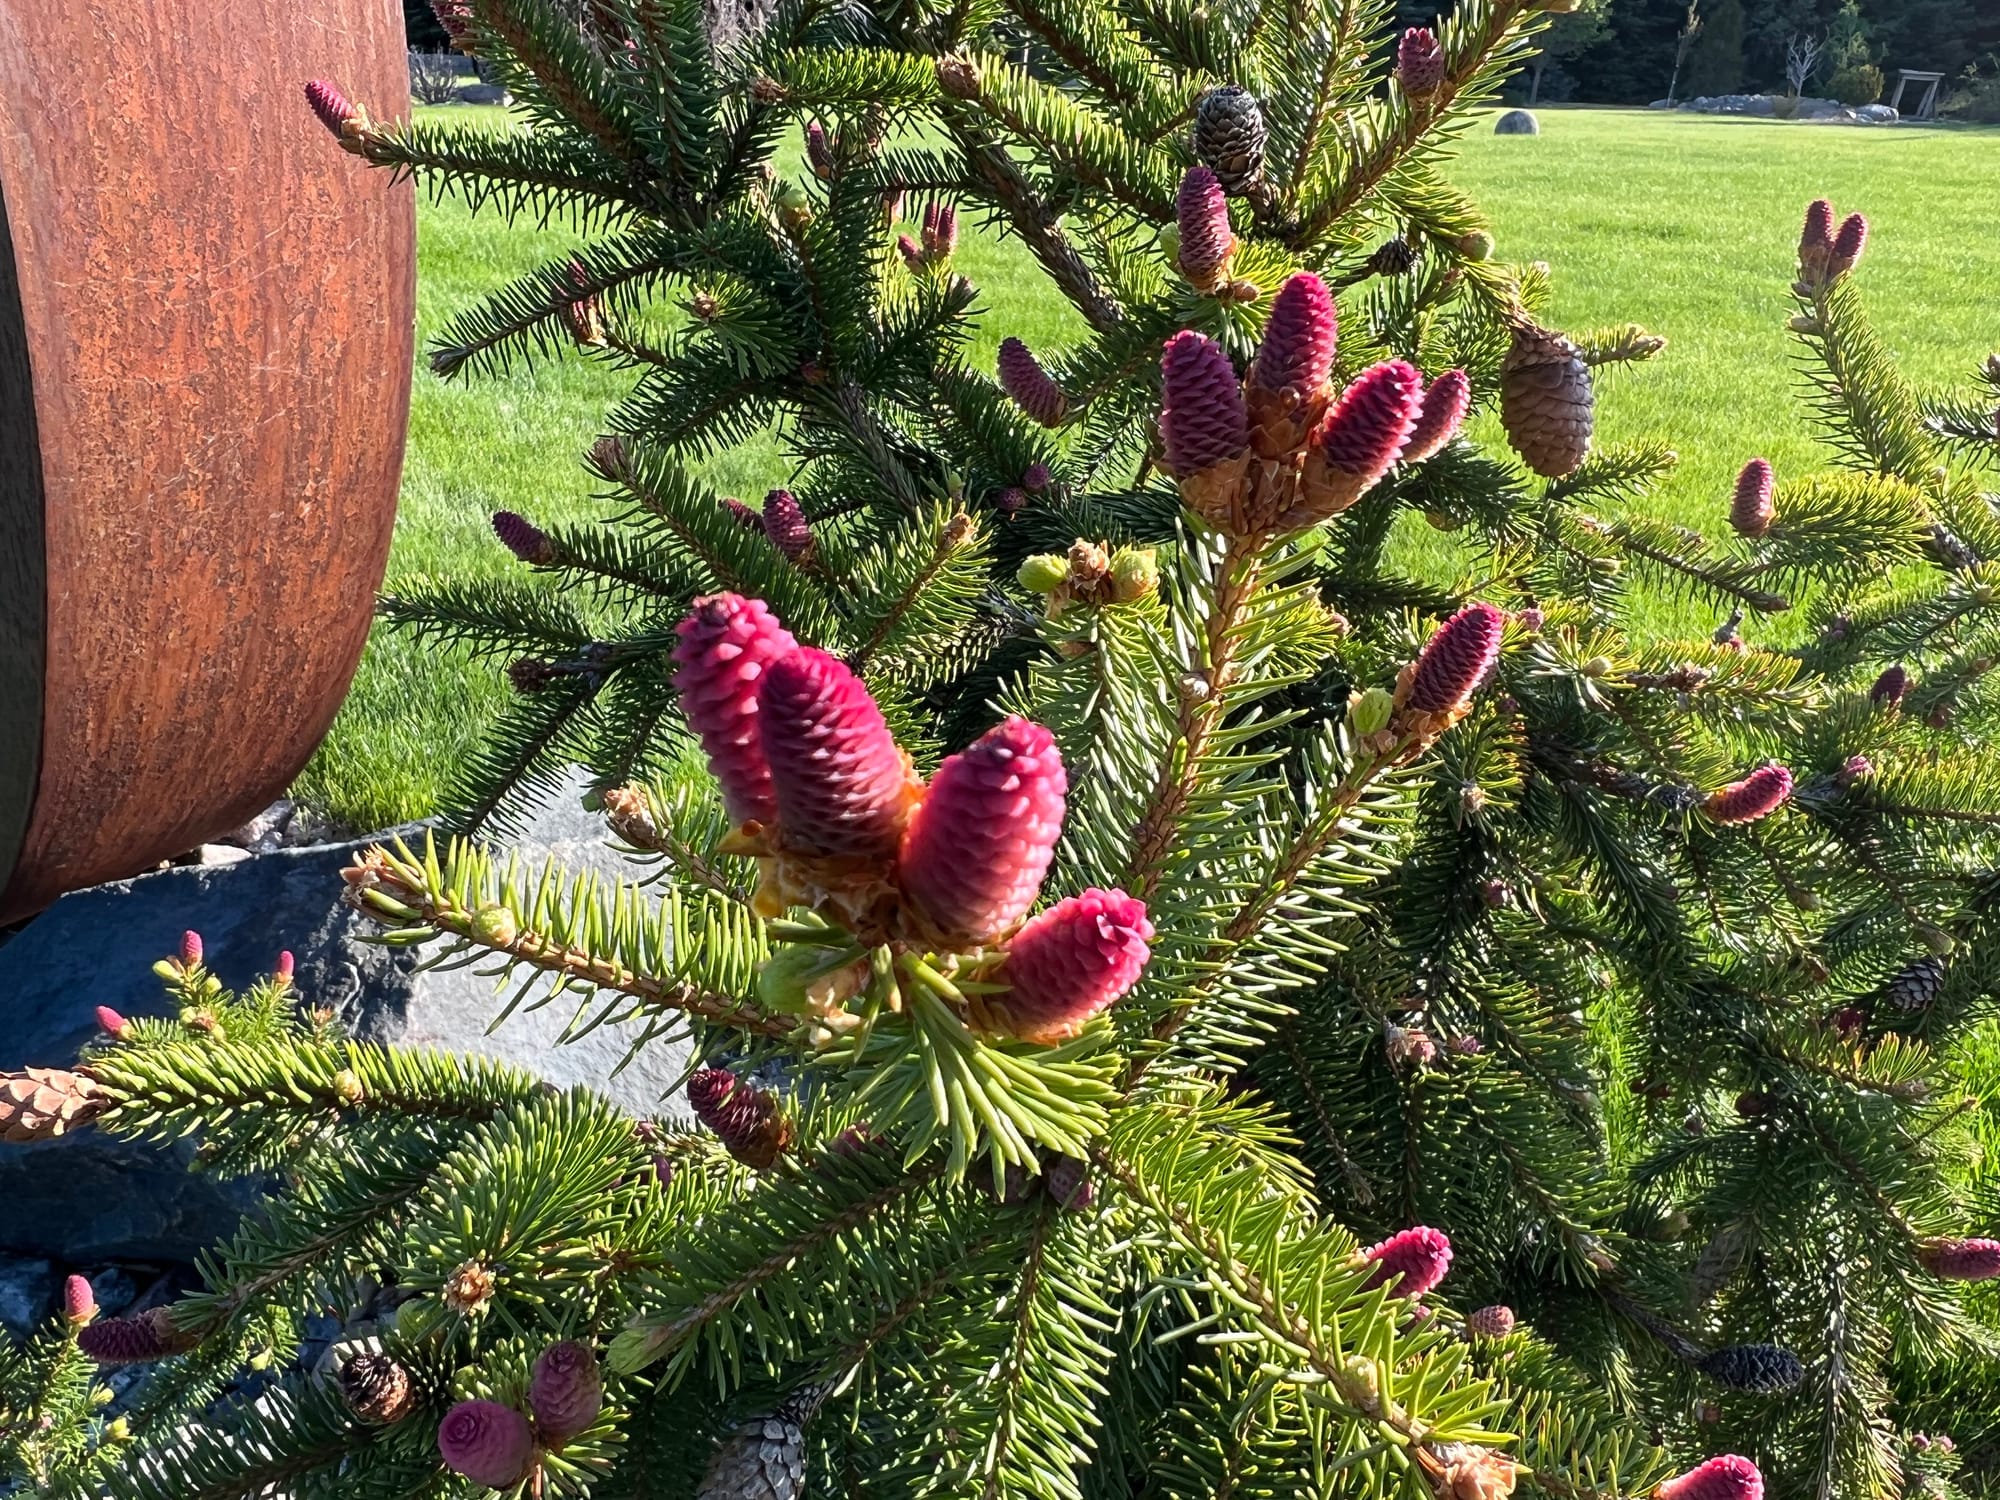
<point>205,345</point>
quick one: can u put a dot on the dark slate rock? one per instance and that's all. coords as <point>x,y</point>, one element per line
<point>1517,122</point>
<point>90,1198</point>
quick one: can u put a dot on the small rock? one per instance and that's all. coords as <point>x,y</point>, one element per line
<point>114,1287</point>
<point>484,93</point>
<point>1877,114</point>
<point>266,831</point>
<point>221,854</point>
<point>27,1288</point>
<point>1517,122</point>
<point>1661,104</point>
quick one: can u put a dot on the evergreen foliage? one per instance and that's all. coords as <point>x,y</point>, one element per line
<point>1492,958</point>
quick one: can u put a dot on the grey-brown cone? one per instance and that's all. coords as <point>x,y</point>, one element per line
<point>1545,401</point>
<point>765,1458</point>
<point>1229,137</point>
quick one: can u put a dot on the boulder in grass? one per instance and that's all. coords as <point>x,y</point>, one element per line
<point>1517,122</point>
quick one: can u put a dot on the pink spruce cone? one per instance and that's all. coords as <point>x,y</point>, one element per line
<point>1848,245</point>
<point>1362,437</point>
<point>1440,416</point>
<point>745,516</point>
<point>1012,501</point>
<point>566,1391</point>
<point>785,523</point>
<point>727,644</point>
<point>79,1301</point>
<point>488,1443</point>
<point>1816,239</point>
<point>1494,1322</point>
<point>1962,1260</point>
<point>747,1119</point>
<point>191,950</point>
<point>837,776</point>
<point>978,847</point>
<point>940,231</point>
<point>1757,795</point>
<point>283,972</point>
<point>1890,687</point>
<point>1725,1478</point>
<point>1751,510</point>
<point>1420,62</point>
<point>1296,355</point>
<point>1036,478</point>
<point>332,106</point>
<point>524,538</point>
<point>1206,241</point>
<point>1202,419</point>
<point>1023,378</point>
<point>110,1022</point>
<point>911,251</point>
<point>139,1340</point>
<point>819,151</point>
<point>1072,961</point>
<point>1420,1256</point>
<point>1456,659</point>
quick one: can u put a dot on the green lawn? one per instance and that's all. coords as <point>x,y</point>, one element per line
<point>1685,225</point>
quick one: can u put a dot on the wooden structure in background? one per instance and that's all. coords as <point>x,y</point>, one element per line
<point>1929,82</point>
<point>206,316</point>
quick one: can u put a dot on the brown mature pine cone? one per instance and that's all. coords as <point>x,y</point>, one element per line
<point>765,1458</point>
<point>1545,401</point>
<point>38,1104</point>
<point>377,1389</point>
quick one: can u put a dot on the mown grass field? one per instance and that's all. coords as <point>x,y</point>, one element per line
<point>1685,225</point>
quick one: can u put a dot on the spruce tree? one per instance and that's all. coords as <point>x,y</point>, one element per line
<point>1184,1003</point>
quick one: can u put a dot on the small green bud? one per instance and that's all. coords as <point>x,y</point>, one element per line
<point>102,1395</point>
<point>1368,713</point>
<point>954,483</point>
<point>783,977</point>
<point>1608,567</point>
<point>119,1430</point>
<point>1803,323</point>
<point>792,197</point>
<point>1135,573</point>
<point>1597,666</point>
<point>1478,245</point>
<point>493,924</point>
<point>167,970</point>
<point>1939,941</point>
<point>1043,573</point>
<point>1170,243</point>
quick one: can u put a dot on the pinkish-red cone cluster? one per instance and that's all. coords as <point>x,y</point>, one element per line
<point>1726,1477</point>
<point>981,841</point>
<point>1752,508</point>
<point>1207,243</point>
<point>829,803</point>
<point>1420,62</point>
<point>726,645</point>
<point>1023,378</point>
<point>1071,962</point>
<point>565,1391</point>
<point>488,1443</point>
<point>1419,1257</point>
<point>1757,795</point>
<point>1826,252</point>
<point>1961,1260</point>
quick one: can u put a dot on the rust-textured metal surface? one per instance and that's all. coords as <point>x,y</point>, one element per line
<point>205,348</point>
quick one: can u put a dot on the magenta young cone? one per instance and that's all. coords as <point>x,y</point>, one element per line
<point>839,780</point>
<point>1202,419</point>
<point>1420,62</point>
<point>747,1119</point>
<point>1962,1260</point>
<point>1816,239</point>
<point>980,843</point>
<point>488,1443</point>
<point>1757,795</point>
<point>1751,508</point>
<point>726,645</point>
<point>1071,962</point>
<point>1295,356</point>
<point>1439,417</point>
<point>523,538</point>
<point>1420,1256</point>
<point>1724,1478</point>
<point>1202,212</point>
<point>1456,659</point>
<point>331,105</point>
<point>1361,438</point>
<point>1023,378</point>
<point>785,523</point>
<point>1494,1322</point>
<point>79,1301</point>
<point>566,1390</point>
<point>1848,244</point>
